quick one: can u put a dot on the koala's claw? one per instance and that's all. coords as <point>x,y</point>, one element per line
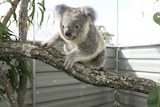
<point>68,63</point>
<point>44,44</point>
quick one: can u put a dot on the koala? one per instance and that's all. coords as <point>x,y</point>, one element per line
<point>81,40</point>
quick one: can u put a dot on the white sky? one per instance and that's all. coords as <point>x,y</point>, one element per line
<point>135,20</point>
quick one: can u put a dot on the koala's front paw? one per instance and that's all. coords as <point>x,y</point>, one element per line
<point>68,62</point>
<point>44,44</point>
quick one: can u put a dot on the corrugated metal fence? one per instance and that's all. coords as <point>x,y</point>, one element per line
<point>56,89</point>
<point>140,61</point>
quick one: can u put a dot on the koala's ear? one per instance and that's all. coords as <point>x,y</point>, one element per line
<point>61,9</point>
<point>89,12</point>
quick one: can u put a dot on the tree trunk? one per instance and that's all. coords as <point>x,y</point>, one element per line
<point>23,15</point>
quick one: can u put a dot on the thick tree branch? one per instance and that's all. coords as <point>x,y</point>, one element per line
<point>56,59</point>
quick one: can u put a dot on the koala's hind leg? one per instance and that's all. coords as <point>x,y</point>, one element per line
<point>98,62</point>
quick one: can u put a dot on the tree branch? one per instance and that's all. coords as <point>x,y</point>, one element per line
<point>56,59</point>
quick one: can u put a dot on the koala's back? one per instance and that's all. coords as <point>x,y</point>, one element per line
<point>94,41</point>
<point>93,45</point>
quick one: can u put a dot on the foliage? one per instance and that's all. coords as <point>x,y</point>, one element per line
<point>5,33</point>
<point>156,18</point>
<point>33,7</point>
<point>153,99</point>
<point>106,35</point>
<point>2,92</point>
<point>15,65</point>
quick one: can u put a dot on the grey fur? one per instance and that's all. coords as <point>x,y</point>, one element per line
<point>82,42</point>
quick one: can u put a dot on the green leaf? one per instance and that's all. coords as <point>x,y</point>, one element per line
<point>159,93</point>
<point>42,10</point>
<point>8,0</point>
<point>152,99</point>
<point>13,76</point>
<point>1,33</point>
<point>156,18</point>
<point>42,4</point>
<point>25,69</point>
<point>42,17</point>
<point>5,33</point>
<point>2,92</point>
<point>1,36</point>
<point>33,11</point>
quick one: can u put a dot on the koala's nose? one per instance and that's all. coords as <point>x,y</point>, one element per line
<point>67,31</point>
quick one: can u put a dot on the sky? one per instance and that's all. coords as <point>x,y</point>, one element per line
<point>131,21</point>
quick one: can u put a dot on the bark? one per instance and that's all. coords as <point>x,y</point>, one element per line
<point>4,81</point>
<point>79,71</point>
<point>23,15</point>
<point>22,90</point>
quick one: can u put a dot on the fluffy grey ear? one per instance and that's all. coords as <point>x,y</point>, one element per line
<point>89,12</point>
<point>61,9</point>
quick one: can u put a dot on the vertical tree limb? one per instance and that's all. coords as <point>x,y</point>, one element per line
<point>23,15</point>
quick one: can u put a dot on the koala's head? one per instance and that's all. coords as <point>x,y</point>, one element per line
<point>74,22</point>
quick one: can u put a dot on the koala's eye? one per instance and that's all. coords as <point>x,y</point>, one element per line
<point>77,26</point>
<point>62,26</point>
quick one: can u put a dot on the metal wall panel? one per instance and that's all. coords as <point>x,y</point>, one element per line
<point>147,52</point>
<point>133,99</point>
<point>110,64</point>
<point>46,79</point>
<point>139,61</point>
<point>84,101</point>
<point>146,65</point>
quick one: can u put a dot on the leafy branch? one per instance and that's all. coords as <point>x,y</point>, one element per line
<point>36,7</point>
<point>106,35</point>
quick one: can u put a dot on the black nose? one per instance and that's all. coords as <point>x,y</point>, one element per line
<point>67,31</point>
